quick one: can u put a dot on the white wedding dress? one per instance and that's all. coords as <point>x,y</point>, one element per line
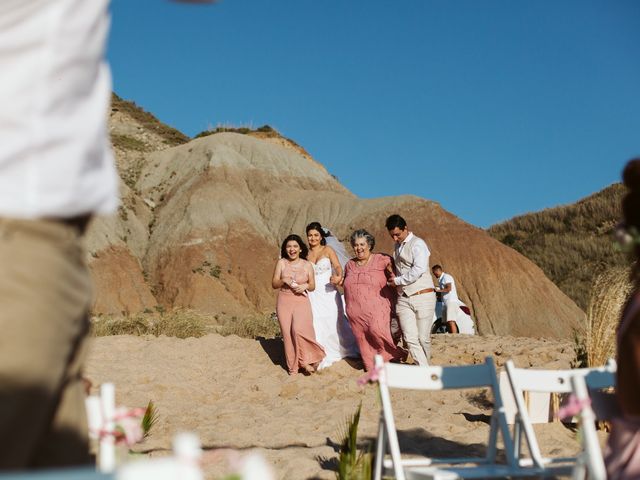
<point>330,323</point>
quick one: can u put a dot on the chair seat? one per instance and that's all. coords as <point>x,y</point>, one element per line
<point>457,472</point>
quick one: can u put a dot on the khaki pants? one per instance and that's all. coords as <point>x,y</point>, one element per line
<point>45,294</point>
<point>416,318</point>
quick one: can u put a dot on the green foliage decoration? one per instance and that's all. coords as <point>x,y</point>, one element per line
<point>354,464</point>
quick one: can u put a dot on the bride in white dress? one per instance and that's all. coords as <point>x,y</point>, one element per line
<point>330,323</point>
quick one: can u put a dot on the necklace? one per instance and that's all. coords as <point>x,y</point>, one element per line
<point>362,263</point>
<point>295,268</point>
<point>295,264</point>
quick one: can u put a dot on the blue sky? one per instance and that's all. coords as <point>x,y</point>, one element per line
<point>492,108</point>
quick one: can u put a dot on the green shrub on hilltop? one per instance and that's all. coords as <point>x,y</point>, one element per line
<point>266,129</point>
<point>170,135</point>
<point>572,244</point>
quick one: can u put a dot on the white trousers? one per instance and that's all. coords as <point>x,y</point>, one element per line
<point>452,313</point>
<point>416,318</point>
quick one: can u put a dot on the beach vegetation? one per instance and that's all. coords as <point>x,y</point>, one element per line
<point>608,294</point>
<point>253,326</point>
<point>149,419</point>
<point>572,244</point>
<point>181,323</point>
<point>185,323</point>
<point>354,463</point>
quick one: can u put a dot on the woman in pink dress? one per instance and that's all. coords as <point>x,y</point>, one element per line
<point>622,455</point>
<point>294,277</point>
<point>370,301</point>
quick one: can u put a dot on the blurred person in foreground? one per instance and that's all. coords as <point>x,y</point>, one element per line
<point>622,455</point>
<point>56,171</point>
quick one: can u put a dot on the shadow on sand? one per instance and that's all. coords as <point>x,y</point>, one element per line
<point>274,348</point>
<point>416,442</point>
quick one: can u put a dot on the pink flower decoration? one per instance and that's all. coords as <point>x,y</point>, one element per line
<point>573,407</point>
<point>128,427</point>
<point>370,377</point>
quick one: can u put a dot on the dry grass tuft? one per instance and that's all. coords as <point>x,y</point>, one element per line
<point>184,323</point>
<point>608,294</point>
<point>178,323</point>
<point>266,326</point>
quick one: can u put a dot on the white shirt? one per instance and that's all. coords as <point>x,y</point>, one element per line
<point>420,265</point>
<point>55,88</point>
<point>452,295</point>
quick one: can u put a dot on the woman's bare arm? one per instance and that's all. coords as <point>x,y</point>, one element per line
<point>335,264</point>
<point>311,285</point>
<point>276,281</point>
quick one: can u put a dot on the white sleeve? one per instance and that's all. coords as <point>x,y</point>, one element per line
<point>421,254</point>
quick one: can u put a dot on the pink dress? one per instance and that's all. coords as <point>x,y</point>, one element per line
<point>622,455</point>
<point>296,321</point>
<point>369,302</point>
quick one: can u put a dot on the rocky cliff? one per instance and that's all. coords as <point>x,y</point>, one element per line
<point>201,222</point>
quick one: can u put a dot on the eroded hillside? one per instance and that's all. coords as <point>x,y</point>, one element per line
<point>572,243</point>
<point>201,222</point>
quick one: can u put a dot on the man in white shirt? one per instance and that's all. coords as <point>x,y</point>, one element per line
<point>56,171</point>
<point>455,313</point>
<point>416,298</point>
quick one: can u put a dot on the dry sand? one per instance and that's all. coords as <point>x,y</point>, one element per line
<point>234,393</point>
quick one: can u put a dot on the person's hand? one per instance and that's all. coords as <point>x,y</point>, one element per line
<point>391,283</point>
<point>287,281</point>
<point>299,289</point>
<point>335,279</point>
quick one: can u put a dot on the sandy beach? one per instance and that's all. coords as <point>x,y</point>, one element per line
<point>234,393</point>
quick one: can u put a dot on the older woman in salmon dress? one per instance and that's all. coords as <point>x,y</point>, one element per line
<point>294,277</point>
<point>370,301</point>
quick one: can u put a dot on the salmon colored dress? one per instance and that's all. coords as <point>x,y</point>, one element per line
<point>296,321</point>
<point>369,301</point>
<point>622,455</point>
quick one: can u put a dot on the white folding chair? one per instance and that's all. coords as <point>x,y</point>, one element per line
<point>100,414</point>
<point>595,405</point>
<point>547,381</point>
<point>394,376</point>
